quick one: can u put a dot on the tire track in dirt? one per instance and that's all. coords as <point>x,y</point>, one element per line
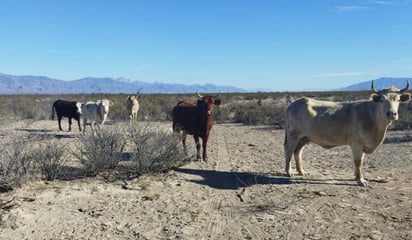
<point>226,222</point>
<point>219,199</point>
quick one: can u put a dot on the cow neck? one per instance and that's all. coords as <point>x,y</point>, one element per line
<point>381,124</point>
<point>205,118</point>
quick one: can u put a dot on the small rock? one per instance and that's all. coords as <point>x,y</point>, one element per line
<point>151,197</point>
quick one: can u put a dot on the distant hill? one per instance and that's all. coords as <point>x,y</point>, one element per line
<point>379,83</point>
<point>10,84</point>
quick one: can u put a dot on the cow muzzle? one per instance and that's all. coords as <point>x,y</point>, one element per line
<point>209,113</point>
<point>392,115</point>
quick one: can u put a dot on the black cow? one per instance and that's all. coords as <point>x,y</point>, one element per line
<point>69,110</point>
<point>195,119</point>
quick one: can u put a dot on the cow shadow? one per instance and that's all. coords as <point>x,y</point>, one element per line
<point>68,173</point>
<point>46,134</point>
<point>395,140</point>
<point>236,180</point>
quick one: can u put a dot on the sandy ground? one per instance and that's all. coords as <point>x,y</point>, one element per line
<point>240,193</point>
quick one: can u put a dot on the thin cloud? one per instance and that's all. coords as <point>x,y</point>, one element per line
<point>382,3</point>
<point>371,5</point>
<point>350,8</point>
<point>338,74</point>
<point>390,3</point>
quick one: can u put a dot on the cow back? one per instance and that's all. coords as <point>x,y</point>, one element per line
<point>189,118</point>
<point>67,109</point>
<point>194,118</point>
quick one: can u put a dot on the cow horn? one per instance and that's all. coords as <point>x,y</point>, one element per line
<point>406,88</point>
<point>199,95</point>
<point>373,89</point>
<point>217,95</point>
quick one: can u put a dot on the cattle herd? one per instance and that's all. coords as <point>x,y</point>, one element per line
<point>361,125</point>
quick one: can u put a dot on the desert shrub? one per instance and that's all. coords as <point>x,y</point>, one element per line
<point>50,157</point>
<point>254,114</point>
<point>155,150</point>
<point>158,107</point>
<point>16,165</point>
<point>247,108</point>
<point>222,114</point>
<point>101,151</point>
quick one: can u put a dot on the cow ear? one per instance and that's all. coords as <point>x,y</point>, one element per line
<point>405,97</point>
<point>217,102</point>
<point>376,97</point>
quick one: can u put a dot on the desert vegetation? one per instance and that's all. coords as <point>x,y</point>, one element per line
<point>246,108</point>
<point>129,178</point>
<point>146,149</point>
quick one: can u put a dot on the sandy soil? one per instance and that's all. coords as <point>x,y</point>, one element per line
<point>240,193</point>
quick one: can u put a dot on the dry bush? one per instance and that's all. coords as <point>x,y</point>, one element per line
<point>101,151</point>
<point>150,150</point>
<point>16,164</point>
<point>236,107</point>
<point>253,113</point>
<point>154,150</point>
<point>50,157</point>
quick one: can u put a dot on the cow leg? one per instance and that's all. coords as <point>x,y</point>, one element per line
<point>84,125</point>
<point>70,124</point>
<point>59,120</point>
<point>298,158</point>
<point>289,147</point>
<point>184,143</point>
<point>78,123</point>
<point>204,145</point>
<point>132,118</point>
<point>197,147</point>
<point>358,156</point>
<point>93,127</point>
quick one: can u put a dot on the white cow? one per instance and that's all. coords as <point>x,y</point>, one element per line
<point>95,112</point>
<point>361,124</point>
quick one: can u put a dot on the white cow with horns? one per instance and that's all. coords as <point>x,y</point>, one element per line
<point>95,112</point>
<point>360,124</point>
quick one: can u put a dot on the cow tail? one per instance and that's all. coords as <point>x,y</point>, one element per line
<point>52,116</point>
<point>286,128</point>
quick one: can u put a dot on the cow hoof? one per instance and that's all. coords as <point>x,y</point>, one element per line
<point>302,173</point>
<point>362,183</point>
<point>288,174</point>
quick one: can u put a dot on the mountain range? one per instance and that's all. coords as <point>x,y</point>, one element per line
<point>379,83</point>
<point>10,84</point>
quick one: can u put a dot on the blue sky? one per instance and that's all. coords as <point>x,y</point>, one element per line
<point>279,44</point>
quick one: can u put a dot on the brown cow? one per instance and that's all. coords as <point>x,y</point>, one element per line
<point>195,119</point>
<point>361,124</point>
